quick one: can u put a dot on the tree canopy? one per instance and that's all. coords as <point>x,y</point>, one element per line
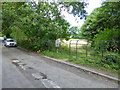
<point>107,16</point>
<point>103,24</point>
<point>38,24</point>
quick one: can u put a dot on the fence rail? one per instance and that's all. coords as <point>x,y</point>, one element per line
<point>82,49</point>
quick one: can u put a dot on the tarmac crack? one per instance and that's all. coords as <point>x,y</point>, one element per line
<point>37,75</point>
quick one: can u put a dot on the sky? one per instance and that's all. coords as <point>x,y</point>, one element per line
<point>76,21</point>
<point>92,5</point>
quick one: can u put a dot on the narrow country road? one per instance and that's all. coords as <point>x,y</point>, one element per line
<point>22,69</point>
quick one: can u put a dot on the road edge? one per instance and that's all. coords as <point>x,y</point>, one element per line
<point>82,68</point>
<point>78,67</point>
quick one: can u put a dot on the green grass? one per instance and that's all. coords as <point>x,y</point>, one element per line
<point>98,62</point>
<point>94,63</point>
<point>90,61</point>
<point>56,55</point>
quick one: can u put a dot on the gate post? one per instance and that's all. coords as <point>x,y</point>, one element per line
<point>70,47</point>
<point>86,48</point>
<point>76,48</point>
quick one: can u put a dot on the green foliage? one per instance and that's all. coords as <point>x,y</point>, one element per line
<point>108,40</point>
<point>110,61</point>
<point>62,52</point>
<point>107,16</point>
<point>103,28</point>
<point>27,45</point>
<point>37,25</point>
<point>9,16</point>
<point>53,54</point>
<point>111,58</point>
<point>77,8</point>
<point>73,31</point>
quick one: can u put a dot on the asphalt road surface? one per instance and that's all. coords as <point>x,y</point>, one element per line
<point>22,69</point>
<point>0,65</point>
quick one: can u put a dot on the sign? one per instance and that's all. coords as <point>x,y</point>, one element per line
<point>57,43</point>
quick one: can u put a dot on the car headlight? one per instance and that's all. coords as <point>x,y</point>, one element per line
<point>7,43</point>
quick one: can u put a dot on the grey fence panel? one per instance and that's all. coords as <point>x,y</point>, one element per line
<point>79,47</point>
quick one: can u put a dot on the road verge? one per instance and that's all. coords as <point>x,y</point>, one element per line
<point>84,69</point>
<point>79,67</point>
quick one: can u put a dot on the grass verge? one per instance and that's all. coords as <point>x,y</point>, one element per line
<point>91,61</point>
<point>56,55</point>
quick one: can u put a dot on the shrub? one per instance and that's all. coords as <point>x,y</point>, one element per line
<point>108,40</point>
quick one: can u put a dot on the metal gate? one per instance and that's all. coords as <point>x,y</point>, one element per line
<point>83,49</point>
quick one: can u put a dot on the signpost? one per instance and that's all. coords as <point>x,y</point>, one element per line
<point>57,44</point>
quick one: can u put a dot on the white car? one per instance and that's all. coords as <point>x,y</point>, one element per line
<point>10,42</point>
<point>1,38</point>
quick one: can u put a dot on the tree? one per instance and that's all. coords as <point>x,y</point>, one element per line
<point>39,24</point>
<point>75,8</point>
<point>107,16</point>
<point>73,31</point>
<point>108,40</point>
<point>9,15</point>
<point>102,26</point>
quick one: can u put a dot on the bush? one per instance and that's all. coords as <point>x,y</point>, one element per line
<point>108,40</point>
<point>111,59</point>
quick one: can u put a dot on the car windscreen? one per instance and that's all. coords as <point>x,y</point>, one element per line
<point>10,40</point>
